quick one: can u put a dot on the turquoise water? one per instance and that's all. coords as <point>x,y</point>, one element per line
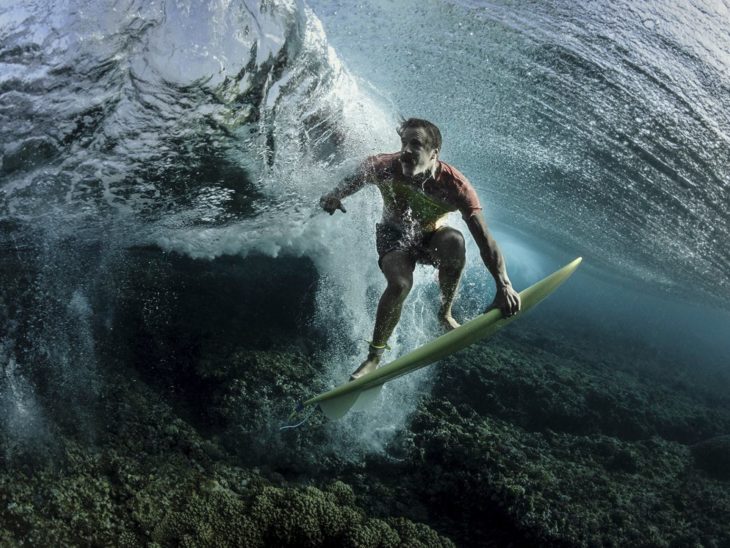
<point>597,130</point>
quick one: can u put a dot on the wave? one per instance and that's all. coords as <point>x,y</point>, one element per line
<point>211,129</point>
<point>601,128</point>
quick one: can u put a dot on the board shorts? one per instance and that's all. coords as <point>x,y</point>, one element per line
<point>392,238</point>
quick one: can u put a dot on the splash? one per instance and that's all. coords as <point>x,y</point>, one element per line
<point>203,129</point>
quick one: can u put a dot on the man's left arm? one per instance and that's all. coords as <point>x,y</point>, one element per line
<point>506,299</point>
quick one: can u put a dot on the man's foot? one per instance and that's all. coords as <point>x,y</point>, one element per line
<point>448,322</point>
<point>370,364</point>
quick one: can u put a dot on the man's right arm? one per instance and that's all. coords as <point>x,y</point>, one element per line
<point>332,201</point>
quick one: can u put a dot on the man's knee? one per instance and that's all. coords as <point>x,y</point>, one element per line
<point>400,286</point>
<point>398,269</point>
<point>449,248</point>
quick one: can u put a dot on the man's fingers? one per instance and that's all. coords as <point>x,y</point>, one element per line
<point>330,205</point>
<point>509,303</point>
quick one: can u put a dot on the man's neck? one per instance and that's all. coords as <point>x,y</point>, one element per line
<point>431,172</point>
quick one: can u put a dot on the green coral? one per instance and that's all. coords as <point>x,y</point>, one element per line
<point>73,507</point>
<point>284,517</point>
<point>559,487</point>
<point>155,482</point>
<point>416,534</point>
<point>713,456</point>
<point>214,518</point>
<point>342,493</point>
<point>374,533</point>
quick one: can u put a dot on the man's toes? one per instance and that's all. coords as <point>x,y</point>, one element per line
<point>449,322</point>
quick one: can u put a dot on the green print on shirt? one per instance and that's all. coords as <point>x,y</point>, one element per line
<point>399,197</point>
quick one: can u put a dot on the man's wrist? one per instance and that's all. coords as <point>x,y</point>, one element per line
<point>502,282</point>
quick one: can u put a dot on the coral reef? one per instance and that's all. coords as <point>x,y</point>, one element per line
<point>713,456</point>
<point>153,480</point>
<point>536,438</point>
<point>517,429</point>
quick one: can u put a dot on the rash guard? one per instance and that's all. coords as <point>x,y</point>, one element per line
<point>412,204</point>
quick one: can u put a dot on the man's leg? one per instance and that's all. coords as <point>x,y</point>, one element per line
<point>449,253</point>
<point>398,269</point>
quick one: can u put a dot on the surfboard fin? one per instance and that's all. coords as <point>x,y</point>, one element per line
<point>366,398</point>
<point>336,408</point>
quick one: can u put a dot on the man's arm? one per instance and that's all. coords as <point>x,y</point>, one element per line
<point>332,201</point>
<point>507,299</point>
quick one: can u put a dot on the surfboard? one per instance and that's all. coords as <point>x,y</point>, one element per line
<point>362,392</point>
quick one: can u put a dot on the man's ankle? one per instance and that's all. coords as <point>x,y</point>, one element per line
<point>375,351</point>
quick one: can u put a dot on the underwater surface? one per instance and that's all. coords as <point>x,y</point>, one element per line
<point>170,288</point>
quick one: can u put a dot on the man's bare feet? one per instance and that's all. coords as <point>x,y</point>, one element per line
<point>448,322</point>
<point>369,365</point>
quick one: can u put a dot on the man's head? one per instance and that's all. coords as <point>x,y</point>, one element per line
<point>420,146</point>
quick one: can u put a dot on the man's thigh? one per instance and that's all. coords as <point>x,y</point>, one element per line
<point>447,247</point>
<point>398,265</point>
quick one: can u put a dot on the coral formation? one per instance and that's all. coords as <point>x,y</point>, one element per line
<point>531,439</point>
<point>713,456</point>
<point>152,481</point>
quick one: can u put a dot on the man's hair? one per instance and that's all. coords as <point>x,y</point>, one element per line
<point>434,134</point>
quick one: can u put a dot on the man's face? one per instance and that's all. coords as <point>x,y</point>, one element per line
<point>417,155</point>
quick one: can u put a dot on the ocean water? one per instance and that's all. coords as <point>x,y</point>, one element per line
<point>598,130</point>
<point>162,161</point>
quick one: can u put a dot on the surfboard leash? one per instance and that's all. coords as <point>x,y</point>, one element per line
<point>297,411</point>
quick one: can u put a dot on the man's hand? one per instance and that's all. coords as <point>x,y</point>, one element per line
<point>507,300</point>
<point>331,204</point>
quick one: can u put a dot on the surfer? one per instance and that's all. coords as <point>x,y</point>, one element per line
<point>418,191</point>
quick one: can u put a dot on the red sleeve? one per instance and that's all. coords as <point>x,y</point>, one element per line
<point>373,169</point>
<point>378,167</point>
<point>465,197</point>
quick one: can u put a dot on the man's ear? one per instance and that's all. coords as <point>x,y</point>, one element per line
<point>435,153</point>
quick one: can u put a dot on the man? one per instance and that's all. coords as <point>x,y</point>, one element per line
<point>418,191</point>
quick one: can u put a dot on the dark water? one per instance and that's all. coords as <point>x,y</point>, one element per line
<point>150,149</point>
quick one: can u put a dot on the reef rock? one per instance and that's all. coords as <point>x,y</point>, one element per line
<point>713,456</point>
